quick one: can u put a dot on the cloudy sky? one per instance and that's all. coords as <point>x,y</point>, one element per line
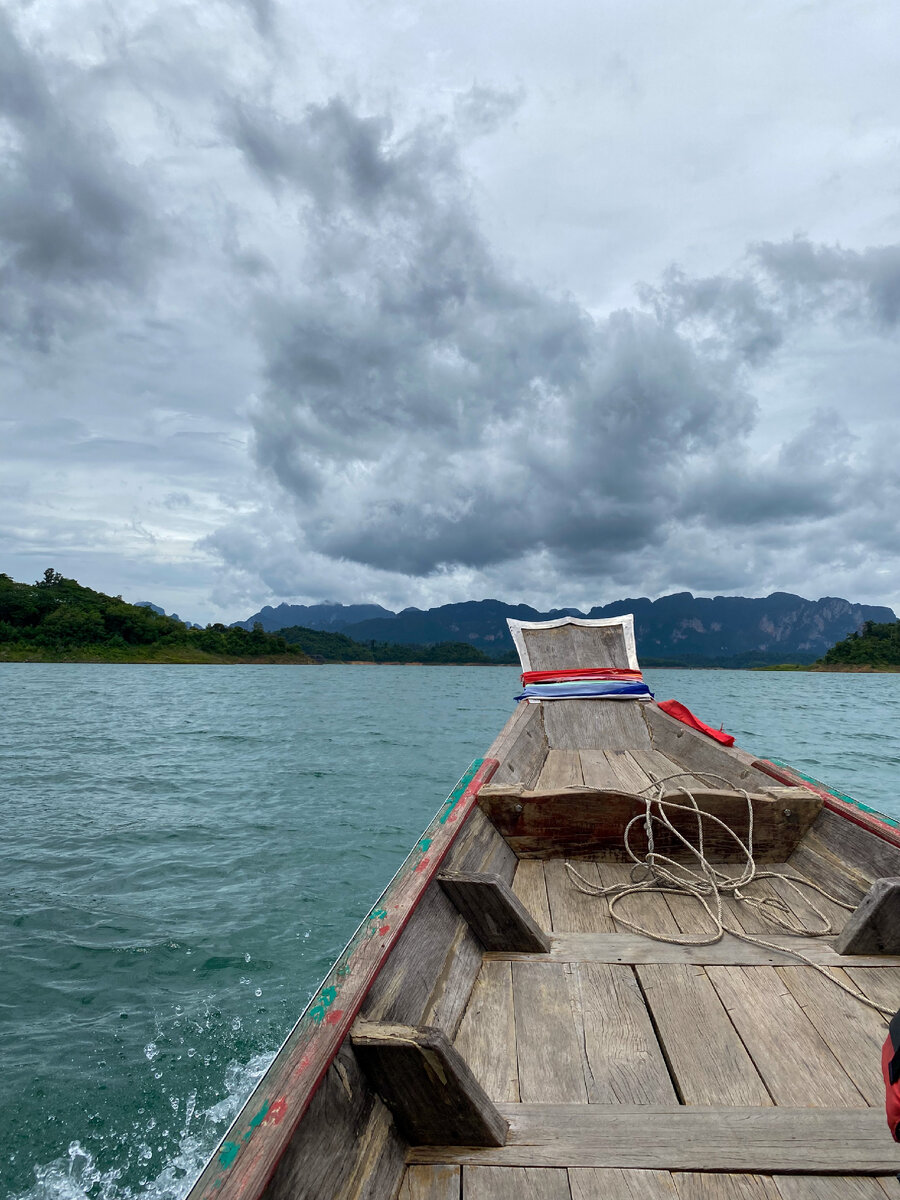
<point>421,302</point>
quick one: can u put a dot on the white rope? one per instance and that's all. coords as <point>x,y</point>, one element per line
<point>707,884</point>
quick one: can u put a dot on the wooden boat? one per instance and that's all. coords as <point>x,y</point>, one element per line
<point>493,1030</point>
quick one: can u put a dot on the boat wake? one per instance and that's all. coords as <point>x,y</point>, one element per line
<point>77,1176</point>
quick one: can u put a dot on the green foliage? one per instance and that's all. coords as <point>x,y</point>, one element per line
<point>58,617</point>
<point>876,645</point>
<point>337,647</point>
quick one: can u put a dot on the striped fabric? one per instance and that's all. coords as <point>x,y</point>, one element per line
<point>585,683</point>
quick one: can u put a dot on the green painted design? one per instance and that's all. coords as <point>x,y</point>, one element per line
<point>779,762</point>
<point>452,800</point>
<point>260,1116</point>
<point>228,1154</point>
<point>325,1001</point>
<point>424,844</point>
<point>379,913</point>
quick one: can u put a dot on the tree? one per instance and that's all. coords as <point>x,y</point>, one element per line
<point>50,578</point>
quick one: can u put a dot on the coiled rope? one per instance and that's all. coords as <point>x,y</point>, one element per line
<point>707,884</point>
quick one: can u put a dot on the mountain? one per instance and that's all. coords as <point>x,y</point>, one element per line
<point>161,612</point>
<point>314,616</point>
<point>676,629</point>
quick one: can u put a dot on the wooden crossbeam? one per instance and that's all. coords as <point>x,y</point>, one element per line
<point>820,1141</point>
<point>427,1085</point>
<point>495,914</point>
<point>631,948</point>
<point>875,926</point>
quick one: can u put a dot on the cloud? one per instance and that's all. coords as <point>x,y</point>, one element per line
<point>482,110</point>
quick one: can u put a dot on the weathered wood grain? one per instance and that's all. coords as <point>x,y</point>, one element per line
<point>561,769</point>
<point>427,1085</point>
<point>853,1032</point>
<point>515,1183</point>
<point>874,928</point>
<point>495,914</point>
<point>794,1061</point>
<point>697,1185</point>
<point>634,949</point>
<point>521,747</point>
<point>623,1061</point>
<point>439,1182</point>
<point>818,862</point>
<point>822,1141</point>
<point>657,766</point>
<point>598,772</point>
<point>708,1061</point>
<point>649,910</point>
<point>596,1183</point>
<point>833,1187</point>
<point>571,909</point>
<point>487,1034</point>
<point>548,1043</point>
<point>881,984</point>
<point>595,725</point>
<point>696,752</point>
<point>530,886</point>
<point>584,823</point>
<point>575,646</point>
<point>248,1155</point>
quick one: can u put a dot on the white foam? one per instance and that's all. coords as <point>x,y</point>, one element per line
<point>77,1176</point>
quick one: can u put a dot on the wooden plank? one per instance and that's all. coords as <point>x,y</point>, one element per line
<point>790,1055</point>
<point>561,769</point>
<point>487,1034</point>
<point>548,1041</point>
<point>881,984</point>
<point>575,646</point>
<point>585,823</point>
<point>596,1183</point>
<point>696,752</point>
<point>595,725</point>
<point>824,1141</point>
<point>657,765</point>
<point>570,909</point>
<point>853,1032</point>
<point>708,1061</point>
<point>633,949</point>
<point>495,914</point>
<point>427,1085</point>
<point>649,910</point>
<point>441,1181</point>
<point>631,777</point>
<point>825,1187</point>
<point>874,928</point>
<point>697,1185</point>
<point>801,903</point>
<point>256,1139</point>
<point>598,772</point>
<point>817,861</point>
<point>515,1183</point>
<point>531,888</point>
<point>521,746</point>
<point>347,1146</point>
<point>624,1064</point>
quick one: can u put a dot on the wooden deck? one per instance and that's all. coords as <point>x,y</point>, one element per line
<point>629,1068</point>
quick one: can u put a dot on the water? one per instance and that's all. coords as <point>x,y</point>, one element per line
<point>186,849</point>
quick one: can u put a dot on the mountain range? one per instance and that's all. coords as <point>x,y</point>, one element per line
<point>680,629</point>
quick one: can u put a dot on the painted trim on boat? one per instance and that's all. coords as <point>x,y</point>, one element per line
<point>246,1157</point>
<point>626,621</point>
<point>843,805</point>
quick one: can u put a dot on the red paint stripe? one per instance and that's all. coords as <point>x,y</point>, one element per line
<point>867,821</point>
<point>580,673</point>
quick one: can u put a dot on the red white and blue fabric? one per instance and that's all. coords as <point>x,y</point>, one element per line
<point>584,683</point>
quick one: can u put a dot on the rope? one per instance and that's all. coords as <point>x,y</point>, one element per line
<point>707,884</point>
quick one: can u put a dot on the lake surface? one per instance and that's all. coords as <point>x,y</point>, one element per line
<point>186,849</point>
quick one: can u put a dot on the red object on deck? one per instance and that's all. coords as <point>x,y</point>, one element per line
<point>890,1066</point>
<point>682,713</point>
<point>581,673</point>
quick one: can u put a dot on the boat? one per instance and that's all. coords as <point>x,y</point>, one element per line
<point>539,1006</point>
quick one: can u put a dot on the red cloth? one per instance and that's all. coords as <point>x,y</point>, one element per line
<point>682,713</point>
<point>892,1089</point>
<point>580,673</point>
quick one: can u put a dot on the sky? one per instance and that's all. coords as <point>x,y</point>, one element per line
<point>416,303</point>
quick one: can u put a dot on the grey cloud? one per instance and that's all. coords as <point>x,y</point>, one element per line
<point>483,110</point>
<point>425,406</point>
<point>72,215</point>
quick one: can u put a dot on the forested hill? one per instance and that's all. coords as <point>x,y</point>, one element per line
<point>57,619</point>
<point>876,645</point>
<point>680,629</point>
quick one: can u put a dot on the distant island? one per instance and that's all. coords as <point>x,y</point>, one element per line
<point>876,647</point>
<point>58,620</point>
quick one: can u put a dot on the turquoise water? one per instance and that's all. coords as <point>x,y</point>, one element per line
<point>186,849</point>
